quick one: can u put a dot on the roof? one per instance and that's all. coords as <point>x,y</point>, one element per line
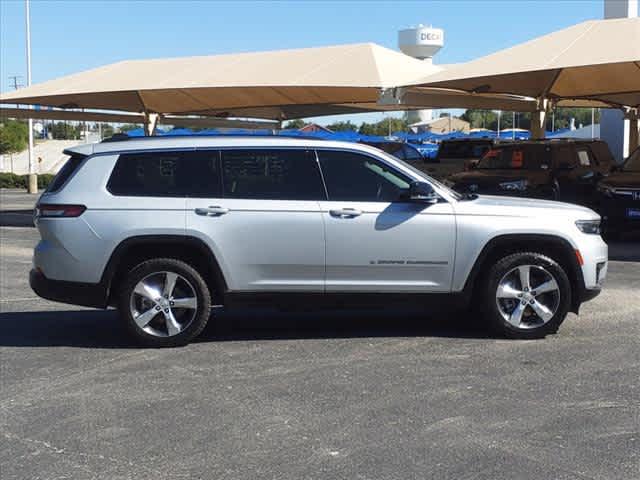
<point>221,141</point>
<point>593,60</point>
<point>219,84</point>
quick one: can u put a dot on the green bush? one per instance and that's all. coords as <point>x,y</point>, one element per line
<point>11,180</point>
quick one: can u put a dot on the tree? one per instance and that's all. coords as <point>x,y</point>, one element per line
<point>64,131</point>
<point>128,126</point>
<point>296,124</point>
<point>342,126</point>
<point>384,127</point>
<point>14,136</point>
<point>107,130</point>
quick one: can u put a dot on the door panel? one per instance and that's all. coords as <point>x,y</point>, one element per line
<point>375,241</point>
<point>389,247</point>
<point>266,228</point>
<point>263,244</point>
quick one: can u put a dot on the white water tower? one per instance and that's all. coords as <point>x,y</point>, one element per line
<point>422,43</point>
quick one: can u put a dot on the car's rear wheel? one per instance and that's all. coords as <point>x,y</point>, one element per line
<point>164,303</point>
<point>528,295</point>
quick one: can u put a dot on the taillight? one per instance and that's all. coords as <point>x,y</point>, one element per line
<point>59,211</point>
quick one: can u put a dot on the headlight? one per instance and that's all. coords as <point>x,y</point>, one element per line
<point>517,185</point>
<point>591,227</point>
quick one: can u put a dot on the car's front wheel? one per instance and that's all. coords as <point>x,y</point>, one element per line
<point>527,295</point>
<point>164,302</point>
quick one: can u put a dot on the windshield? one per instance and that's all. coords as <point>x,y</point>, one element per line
<point>458,149</point>
<point>633,162</point>
<point>533,157</point>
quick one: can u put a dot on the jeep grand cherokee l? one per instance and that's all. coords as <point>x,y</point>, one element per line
<point>164,228</point>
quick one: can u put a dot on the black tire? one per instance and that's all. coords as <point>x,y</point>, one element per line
<point>527,330</point>
<point>197,320</point>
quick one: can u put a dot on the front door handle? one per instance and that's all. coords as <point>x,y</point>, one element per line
<point>211,211</point>
<point>345,212</point>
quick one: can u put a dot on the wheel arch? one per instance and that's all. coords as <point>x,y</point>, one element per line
<point>192,250</point>
<point>555,247</point>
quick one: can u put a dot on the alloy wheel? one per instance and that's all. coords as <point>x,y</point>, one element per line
<point>163,304</point>
<point>528,296</point>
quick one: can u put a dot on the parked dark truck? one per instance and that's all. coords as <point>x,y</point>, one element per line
<point>619,198</point>
<point>457,155</point>
<point>554,169</point>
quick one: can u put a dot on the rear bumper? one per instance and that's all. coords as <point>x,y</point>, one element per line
<point>589,294</point>
<point>75,293</point>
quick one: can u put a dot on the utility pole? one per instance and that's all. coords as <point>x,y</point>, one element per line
<point>14,80</point>
<point>33,177</point>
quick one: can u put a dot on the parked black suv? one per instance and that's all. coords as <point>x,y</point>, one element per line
<point>457,155</point>
<point>619,197</point>
<point>554,169</point>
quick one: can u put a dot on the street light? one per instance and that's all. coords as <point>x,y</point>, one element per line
<point>33,177</point>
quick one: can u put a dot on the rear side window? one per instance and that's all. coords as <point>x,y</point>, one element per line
<point>271,174</point>
<point>166,174</point>
<point>68,169</point>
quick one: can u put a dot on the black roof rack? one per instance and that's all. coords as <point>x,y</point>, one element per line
<point>123,137</point>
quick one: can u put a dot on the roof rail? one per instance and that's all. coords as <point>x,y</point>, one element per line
<point>123,137</point>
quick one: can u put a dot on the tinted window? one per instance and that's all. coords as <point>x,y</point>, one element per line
<point>355,177</point>
<point>603,155</point>
<point>166,174</point>
<point>566,156</point>
<point>411,153</point>
<point>463,149</point>
<point>65,172</point>
<point>271,174</point>
<point>529,157</point>
<point>584,158</point>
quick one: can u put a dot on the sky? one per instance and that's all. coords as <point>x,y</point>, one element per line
<point>75,35</point>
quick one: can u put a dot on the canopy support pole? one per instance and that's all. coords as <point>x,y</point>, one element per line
<point>632,115</point>
<point>150,123</point>
<point>539,119</point>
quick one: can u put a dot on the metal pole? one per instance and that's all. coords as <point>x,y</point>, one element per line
<point>593,121</point>
<point>499,115</point>
<point>33,178</point>
<point>513,125</point>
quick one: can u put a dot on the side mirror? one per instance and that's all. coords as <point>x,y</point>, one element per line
<point>422,192</point>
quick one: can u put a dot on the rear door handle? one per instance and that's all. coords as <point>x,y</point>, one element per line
<point>345,212</point>
<point>211,211</point>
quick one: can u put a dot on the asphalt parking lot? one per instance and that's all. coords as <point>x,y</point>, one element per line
<point>367,395</point>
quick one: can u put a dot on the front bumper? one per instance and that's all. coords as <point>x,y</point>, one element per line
<point>75,293</point>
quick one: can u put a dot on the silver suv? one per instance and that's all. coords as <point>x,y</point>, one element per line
<point>165,228</point>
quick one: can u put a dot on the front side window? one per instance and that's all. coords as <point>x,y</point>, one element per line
<point>166,174</point>
<point>351,176</point>
<point>271,174</point>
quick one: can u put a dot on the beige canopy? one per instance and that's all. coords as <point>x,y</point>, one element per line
<point>345,74</point>
<point>594,60</point>
<point>277,85</point>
